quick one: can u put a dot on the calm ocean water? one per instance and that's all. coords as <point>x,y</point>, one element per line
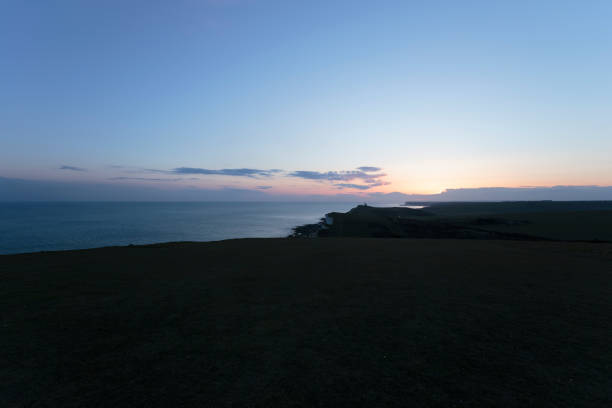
<point>29,227</point>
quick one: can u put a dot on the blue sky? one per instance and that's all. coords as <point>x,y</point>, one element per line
<point>437,94</point>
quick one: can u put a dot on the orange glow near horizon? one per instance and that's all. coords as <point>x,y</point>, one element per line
<point>419,179</point>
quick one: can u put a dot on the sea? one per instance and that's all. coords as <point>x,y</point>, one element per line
<point>51,226</point>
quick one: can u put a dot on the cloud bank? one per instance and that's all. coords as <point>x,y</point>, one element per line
<point>560,193</point>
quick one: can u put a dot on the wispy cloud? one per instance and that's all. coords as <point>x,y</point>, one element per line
<point>153,171</point>
<point>225,172</point>
<point>36,190</point>
<point>144,179</point>
<point>362,178</point>
<point>370,176</point>
<point>337,175</point>
<point>379,183</point>
<point>354,186</point>
<point>72,168</point>
<point>368,169</point>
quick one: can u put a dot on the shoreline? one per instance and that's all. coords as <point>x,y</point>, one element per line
<point>541,220</point>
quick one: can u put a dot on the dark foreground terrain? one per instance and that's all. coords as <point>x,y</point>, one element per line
<point>309,322</point>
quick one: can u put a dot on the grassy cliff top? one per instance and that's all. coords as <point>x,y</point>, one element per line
<point>566,221</point>
<point>297,322</point>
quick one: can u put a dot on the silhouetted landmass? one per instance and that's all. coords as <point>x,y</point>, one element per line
<point>513,207</point>
<point>528,220</point>
<point>335,322</point>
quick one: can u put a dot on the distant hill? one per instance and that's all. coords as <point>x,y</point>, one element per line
<point>543,220</point>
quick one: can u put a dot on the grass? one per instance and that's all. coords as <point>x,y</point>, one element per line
<point>567,226</point>
<point>564,221</point>
<point>309,322</point>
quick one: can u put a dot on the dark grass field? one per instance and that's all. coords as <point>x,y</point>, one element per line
<point>555,220</point>
<point>570,226</point>
<point>519,220</point>
<point>319,322</point>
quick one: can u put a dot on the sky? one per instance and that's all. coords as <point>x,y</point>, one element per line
<point>303,98</point>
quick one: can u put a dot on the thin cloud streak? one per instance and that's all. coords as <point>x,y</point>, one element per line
<point>42,190</point>
<point>369,169</point>
<point>226,172</point>
<point>355,186</point>
<point>72,168</point>
<point>369,175</point>
<point>337,175</point>
<point>144,179</point>
<point>363,178</point>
